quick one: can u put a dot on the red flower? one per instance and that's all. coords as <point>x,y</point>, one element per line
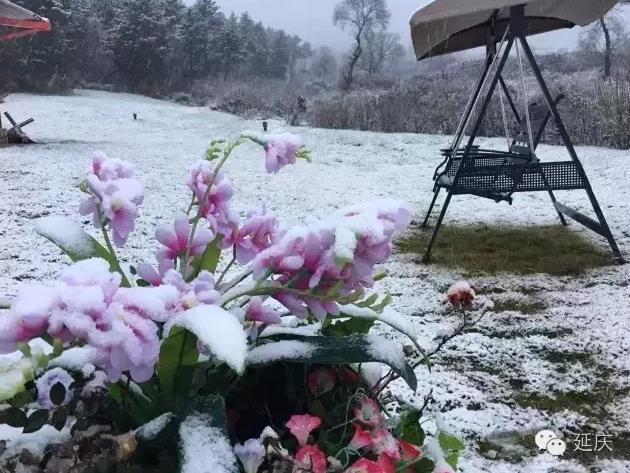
<point>383,465</point>
<point>409,451</point>
<point>361,438</point>
<point>385,443</point>
<point>321,381</point>
<point>309,459</point>
<point>461,295</point>
<point>369,413</point>
<point>302,426</point>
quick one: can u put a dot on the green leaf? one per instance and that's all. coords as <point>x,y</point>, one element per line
<point>36,421</point>
<point>59,418</point>
<point>209,260</point>
<point>132,400</point>
<point>69,236</point>
<point>409,428</point>
<point>424,465</point>
<point>58,394</point>
<point>206,423</point>
<point>334,351</point>
<point>347,328</point>
<point>453,459</point>
<point>379,314</point>
<point>179,349</point>
<point>450,443</point>
<point>13,417</point>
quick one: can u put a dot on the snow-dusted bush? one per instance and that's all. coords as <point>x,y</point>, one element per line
<point>185,354</point>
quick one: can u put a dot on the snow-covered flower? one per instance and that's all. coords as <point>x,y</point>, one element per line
<point>251,454</point>
<point>258,233</point>
<point>257,311</point>
<point>175,239</point>
<point>367,412</point>
<point>461,294</point>
<point>384,442</point>
<point>88,304</point>
<point>361,439</point>
<point>115,197</point>
<point>216,208</point>
<point>301,427</point>
<point>281,150</point>
<point>309,459</point>
<point>336,256</point>
<point>322,380</point>
<point>45,383</point>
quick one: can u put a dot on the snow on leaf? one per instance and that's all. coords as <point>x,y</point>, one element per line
<point>219,330</point>
<point>69,236</point>
<point>283,350</point>
<point>205,448</point>
<point>152,429</point>
<point>389,316</point>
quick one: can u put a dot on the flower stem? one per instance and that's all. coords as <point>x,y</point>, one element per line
<point>202,203</point>
<point>227,268</point>
<point>114,261</point>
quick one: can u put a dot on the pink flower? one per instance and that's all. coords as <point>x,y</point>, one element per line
<point>45,383</point>
<point>336,256</point>
<point>461,294</point>
<point>322,380</point>
<point>174,239</point>
<point>258,312</point>
<point>443,467</point>
<point>257,234</point>
<point>216,208</point>
<point>107,169</point>
<point>384,442</point>
<point>309,459</point>
<point>383,465</point>
<point>89,305</point>
<point>301,427</point>
<point>115,197</point>
<point>281,150</point>
<point>369,413</point>
<point>361,438</point>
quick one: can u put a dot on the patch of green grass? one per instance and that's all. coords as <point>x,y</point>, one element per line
<point>555,250</point>
<point>510,334</point>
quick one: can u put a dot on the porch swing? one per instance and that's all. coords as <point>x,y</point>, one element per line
<point>445,26</point>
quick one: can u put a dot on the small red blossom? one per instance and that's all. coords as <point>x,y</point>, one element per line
<point>384,464</point>
<point>461,294</point>
<point>409,451</point>
<point>301,427</point>
<point>361,439</point>
<point>322,380</point>
<point>309,459</point>
<point>369,413</point>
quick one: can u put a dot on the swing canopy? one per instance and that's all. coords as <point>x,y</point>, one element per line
<point>446,26</point>
<point>17,22</point>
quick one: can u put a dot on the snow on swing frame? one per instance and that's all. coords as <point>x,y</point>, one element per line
<point>445,26</point>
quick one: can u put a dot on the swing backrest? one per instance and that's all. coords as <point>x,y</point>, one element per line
<point>539,115</point>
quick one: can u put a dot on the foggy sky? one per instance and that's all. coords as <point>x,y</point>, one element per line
<point>312,20</point>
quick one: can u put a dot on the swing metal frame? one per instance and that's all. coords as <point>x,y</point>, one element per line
<point>497,175</point>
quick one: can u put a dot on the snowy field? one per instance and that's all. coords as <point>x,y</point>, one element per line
<point>565,367</point>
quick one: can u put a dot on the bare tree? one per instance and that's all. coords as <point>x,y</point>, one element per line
<point>324,65</point>
<point>356,17</point>
<point>612,29</point>
<point>382,49</point>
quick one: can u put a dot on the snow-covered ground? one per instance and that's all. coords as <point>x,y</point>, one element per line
<point>565,367</point>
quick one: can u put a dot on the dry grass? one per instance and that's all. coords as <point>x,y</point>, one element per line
<point>554,250</point>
